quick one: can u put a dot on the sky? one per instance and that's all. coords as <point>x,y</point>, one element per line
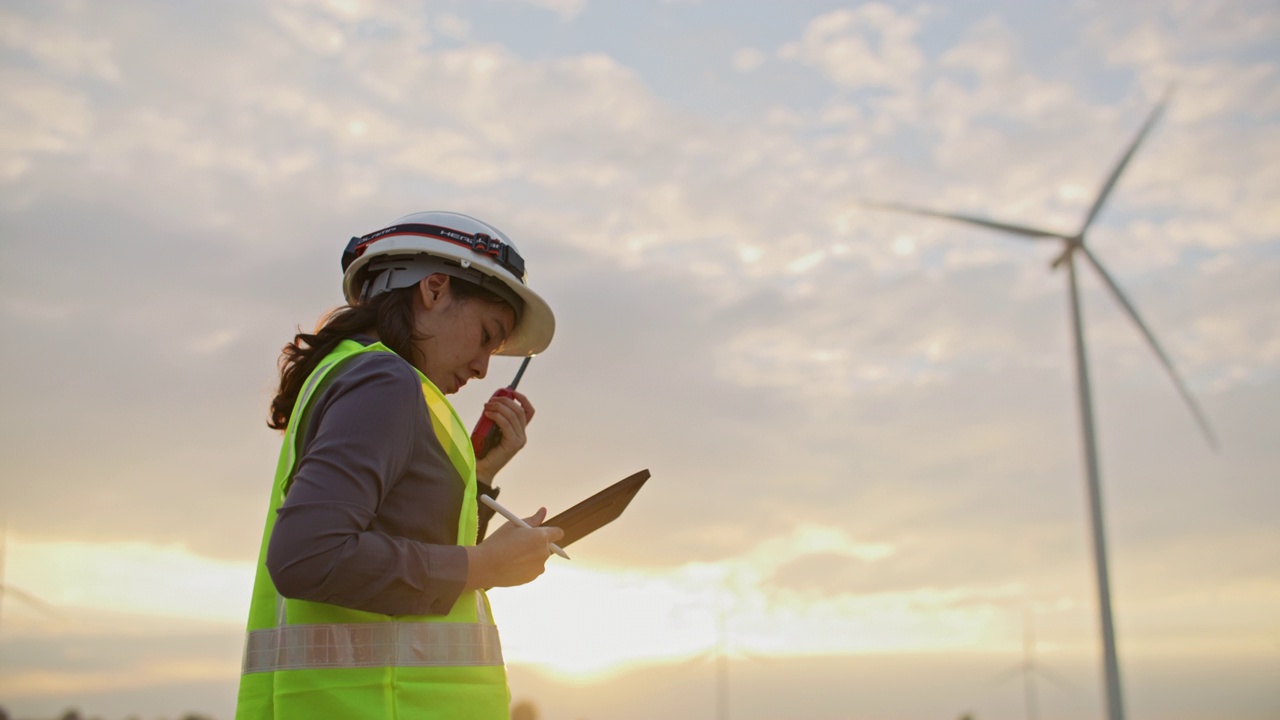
<point>867,492</point>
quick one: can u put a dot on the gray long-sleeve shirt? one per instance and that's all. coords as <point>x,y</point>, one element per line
<point>370,521</point>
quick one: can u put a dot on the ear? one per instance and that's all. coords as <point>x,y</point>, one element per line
<point>433,289</point>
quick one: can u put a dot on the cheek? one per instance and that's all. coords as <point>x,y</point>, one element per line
<point>468,340</point>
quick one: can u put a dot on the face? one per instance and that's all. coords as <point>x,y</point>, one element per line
<point>457,336</point>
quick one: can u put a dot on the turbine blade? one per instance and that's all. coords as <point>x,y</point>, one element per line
<point>1060,681</point>
<point>1124,161</point>
<point>1155,346</point>
<point>31,600</point>
<point>1028,232</point>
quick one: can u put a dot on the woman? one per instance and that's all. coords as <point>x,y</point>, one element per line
<point>369,598</point>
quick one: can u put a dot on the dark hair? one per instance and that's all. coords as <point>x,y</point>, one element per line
<point>390,314</point>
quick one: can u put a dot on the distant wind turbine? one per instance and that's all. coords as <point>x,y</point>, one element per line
<point>1071,245</point>
<point>1029,668</point>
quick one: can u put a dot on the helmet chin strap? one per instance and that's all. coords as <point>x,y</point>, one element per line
<point>391,273</point>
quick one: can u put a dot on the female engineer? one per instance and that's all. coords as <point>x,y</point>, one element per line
<point>369,596</point>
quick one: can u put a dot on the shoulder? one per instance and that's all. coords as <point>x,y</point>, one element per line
<point>373,399</point>
<point>381,380</point>
<point>380,365</point>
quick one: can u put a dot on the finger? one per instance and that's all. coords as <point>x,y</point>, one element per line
<point>505,408</point>
<point>510,403</point>
<point>524,403</point>
<point>554,534</point>
<point>536,519</point>
<point>512,434</point>
<point>511,425</point>
<point>508,408</point>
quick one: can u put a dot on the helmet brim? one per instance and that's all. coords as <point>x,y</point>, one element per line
<point>536,327</point>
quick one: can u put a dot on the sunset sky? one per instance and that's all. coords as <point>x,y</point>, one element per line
<point>862,426</point>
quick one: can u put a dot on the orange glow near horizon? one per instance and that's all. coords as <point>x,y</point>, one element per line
<point>579,622</point>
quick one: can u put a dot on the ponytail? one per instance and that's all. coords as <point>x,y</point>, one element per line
<point>390,314</point>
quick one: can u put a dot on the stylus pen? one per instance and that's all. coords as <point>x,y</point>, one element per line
<point>516,519</point>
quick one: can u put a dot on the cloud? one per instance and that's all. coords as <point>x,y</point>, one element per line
<point>453,27</point>
<point>112,662</point>
<point>778,286</point>
<point>67,51</point>
<point>748,59</point>
<point>40,119</point>
<point>566,9</point>
<point>132,577</point>
<point>871,46</point>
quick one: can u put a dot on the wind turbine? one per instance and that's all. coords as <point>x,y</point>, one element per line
<point>1029,667</point>
<point>1071,246</point>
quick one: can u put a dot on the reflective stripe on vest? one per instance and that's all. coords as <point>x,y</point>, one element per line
<point>377,644</point>
<point>393,644</point>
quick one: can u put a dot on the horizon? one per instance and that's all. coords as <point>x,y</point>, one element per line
<point>978,684</point>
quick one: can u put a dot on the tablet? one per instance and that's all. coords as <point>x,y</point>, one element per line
<point>598,510</point>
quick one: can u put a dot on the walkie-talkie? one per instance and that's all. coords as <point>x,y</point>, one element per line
<point>487,435</point>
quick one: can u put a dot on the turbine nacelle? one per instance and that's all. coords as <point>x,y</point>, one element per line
<point>1071,245</point>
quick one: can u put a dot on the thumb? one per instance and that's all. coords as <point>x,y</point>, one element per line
<point>536,519</point>
<point>554,534</point>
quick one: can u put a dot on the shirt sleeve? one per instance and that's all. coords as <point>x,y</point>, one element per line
<point>485,512</point>
<point>324,546</point>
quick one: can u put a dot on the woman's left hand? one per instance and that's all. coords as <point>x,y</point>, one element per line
<point>511,416</point>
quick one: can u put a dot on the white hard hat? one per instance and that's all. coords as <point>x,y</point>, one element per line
<point>426,243</point>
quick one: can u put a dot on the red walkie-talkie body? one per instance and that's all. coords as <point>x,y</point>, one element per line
<point>486,434</point>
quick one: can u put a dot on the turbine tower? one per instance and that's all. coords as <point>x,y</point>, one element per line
<point>1073,245</point>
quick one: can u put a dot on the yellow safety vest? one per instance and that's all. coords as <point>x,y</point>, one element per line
<point>308,660</point>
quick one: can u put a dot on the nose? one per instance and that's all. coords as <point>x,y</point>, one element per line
<point>480,366</point>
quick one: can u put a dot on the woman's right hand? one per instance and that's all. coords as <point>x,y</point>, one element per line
<point>512,555</point>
